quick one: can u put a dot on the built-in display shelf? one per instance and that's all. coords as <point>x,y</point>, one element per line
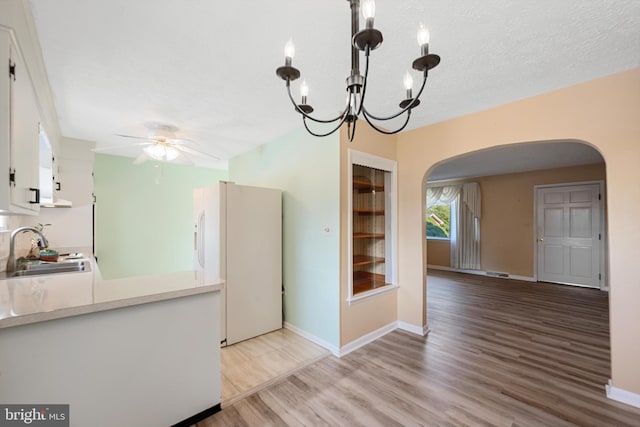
<point>360,260</point>
<point>365,211</point>
<point>364,281</point>
<point>366,186</point>
<point>372,244</point>
<point>368,236</point>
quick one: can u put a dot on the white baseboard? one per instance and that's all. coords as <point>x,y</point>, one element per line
<point>482,273</point>
<point>322,343</point>
<point>440,267</point>
<point>523,278</point>
<point>363,340</point>
<point>366,339</point>
<point>414,329</point>
<point>623,396</point>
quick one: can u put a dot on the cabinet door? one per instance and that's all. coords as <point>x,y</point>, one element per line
<point>56,178</point>
<point>47,172</point>
<point>24,140</point>
<point>5,134</point>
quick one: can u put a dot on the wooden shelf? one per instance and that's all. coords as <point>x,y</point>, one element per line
<point>369,211</point>
<point>368,236</point>
<point>364,281</point>
<point>366,186</point>
<point>360,260</point>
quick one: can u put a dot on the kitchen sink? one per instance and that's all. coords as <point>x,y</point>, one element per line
<point>43,268</point>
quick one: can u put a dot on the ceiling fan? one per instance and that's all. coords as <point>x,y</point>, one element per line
<point>161,144</point>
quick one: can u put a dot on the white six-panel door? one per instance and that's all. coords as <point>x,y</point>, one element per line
<point>569,234</point>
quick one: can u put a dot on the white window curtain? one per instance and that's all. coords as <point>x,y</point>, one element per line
<point>466,207</point>
<point>442,195</point>
<point>465,252</point>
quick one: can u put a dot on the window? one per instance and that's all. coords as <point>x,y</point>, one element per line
<point>453,213</point>
<point>438,221</point>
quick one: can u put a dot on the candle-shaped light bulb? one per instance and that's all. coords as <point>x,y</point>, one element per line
<point>408,81</point>
<point>423,39</point>
<point>423,35</point>
<point>408,84</point>
<point>289,51</point>
<point>304,88</point>
<point>304,91</point>
<point>368,12</point>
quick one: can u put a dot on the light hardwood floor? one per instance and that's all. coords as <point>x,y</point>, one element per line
<point>500,352</point>
<point>253,364</point>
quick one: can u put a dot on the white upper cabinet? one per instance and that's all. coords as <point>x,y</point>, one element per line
<point>47,174</point>
<point>19,133</point>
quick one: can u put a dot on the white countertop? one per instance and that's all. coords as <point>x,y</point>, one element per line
<point>26,300</point>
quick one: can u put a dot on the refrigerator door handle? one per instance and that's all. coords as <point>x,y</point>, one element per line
<point>201,239</point>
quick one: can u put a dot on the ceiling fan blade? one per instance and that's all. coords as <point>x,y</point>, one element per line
<point>194,152</point>
<point>181,159</point>
<point>114,147</point>
<point>181,141</point>
<point>141,158</point>
<point>135,137</point>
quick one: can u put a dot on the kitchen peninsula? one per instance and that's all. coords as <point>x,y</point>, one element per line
<point>141,351</point>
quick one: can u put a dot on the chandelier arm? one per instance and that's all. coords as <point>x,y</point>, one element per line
<point>364,86</point>
<point>368,119</point>
<point>304,121</point>
<point>407,108</point>
<point>305,115</point>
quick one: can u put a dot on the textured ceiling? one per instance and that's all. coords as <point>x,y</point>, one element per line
<point>516,158</point>
<point>208,66</point>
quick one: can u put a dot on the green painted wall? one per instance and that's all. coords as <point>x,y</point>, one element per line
<point>144,215</point>
<point>307,170</point>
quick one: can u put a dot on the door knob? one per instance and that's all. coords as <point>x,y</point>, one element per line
<point>541,239</point>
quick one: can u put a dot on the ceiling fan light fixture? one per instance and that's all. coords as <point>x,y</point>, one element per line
<point>161,144</point>
<point>161,152</point>
<point>170,153</point>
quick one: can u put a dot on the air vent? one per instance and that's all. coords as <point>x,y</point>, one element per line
<point>497,274</point>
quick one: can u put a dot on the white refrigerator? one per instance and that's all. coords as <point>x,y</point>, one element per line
<point>238,237</point>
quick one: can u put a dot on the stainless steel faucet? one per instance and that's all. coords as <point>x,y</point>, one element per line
<point>11,262</point>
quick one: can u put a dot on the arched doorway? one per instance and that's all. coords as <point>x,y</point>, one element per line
<point>511,227</point>
<point>494,326</point>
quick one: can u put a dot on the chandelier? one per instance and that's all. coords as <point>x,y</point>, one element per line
<point>364,40</point>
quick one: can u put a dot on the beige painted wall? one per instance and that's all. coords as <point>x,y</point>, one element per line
<point>506,226</point>
<point>603,113</point>
<point>439,252</point>
<point>365,316</point>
